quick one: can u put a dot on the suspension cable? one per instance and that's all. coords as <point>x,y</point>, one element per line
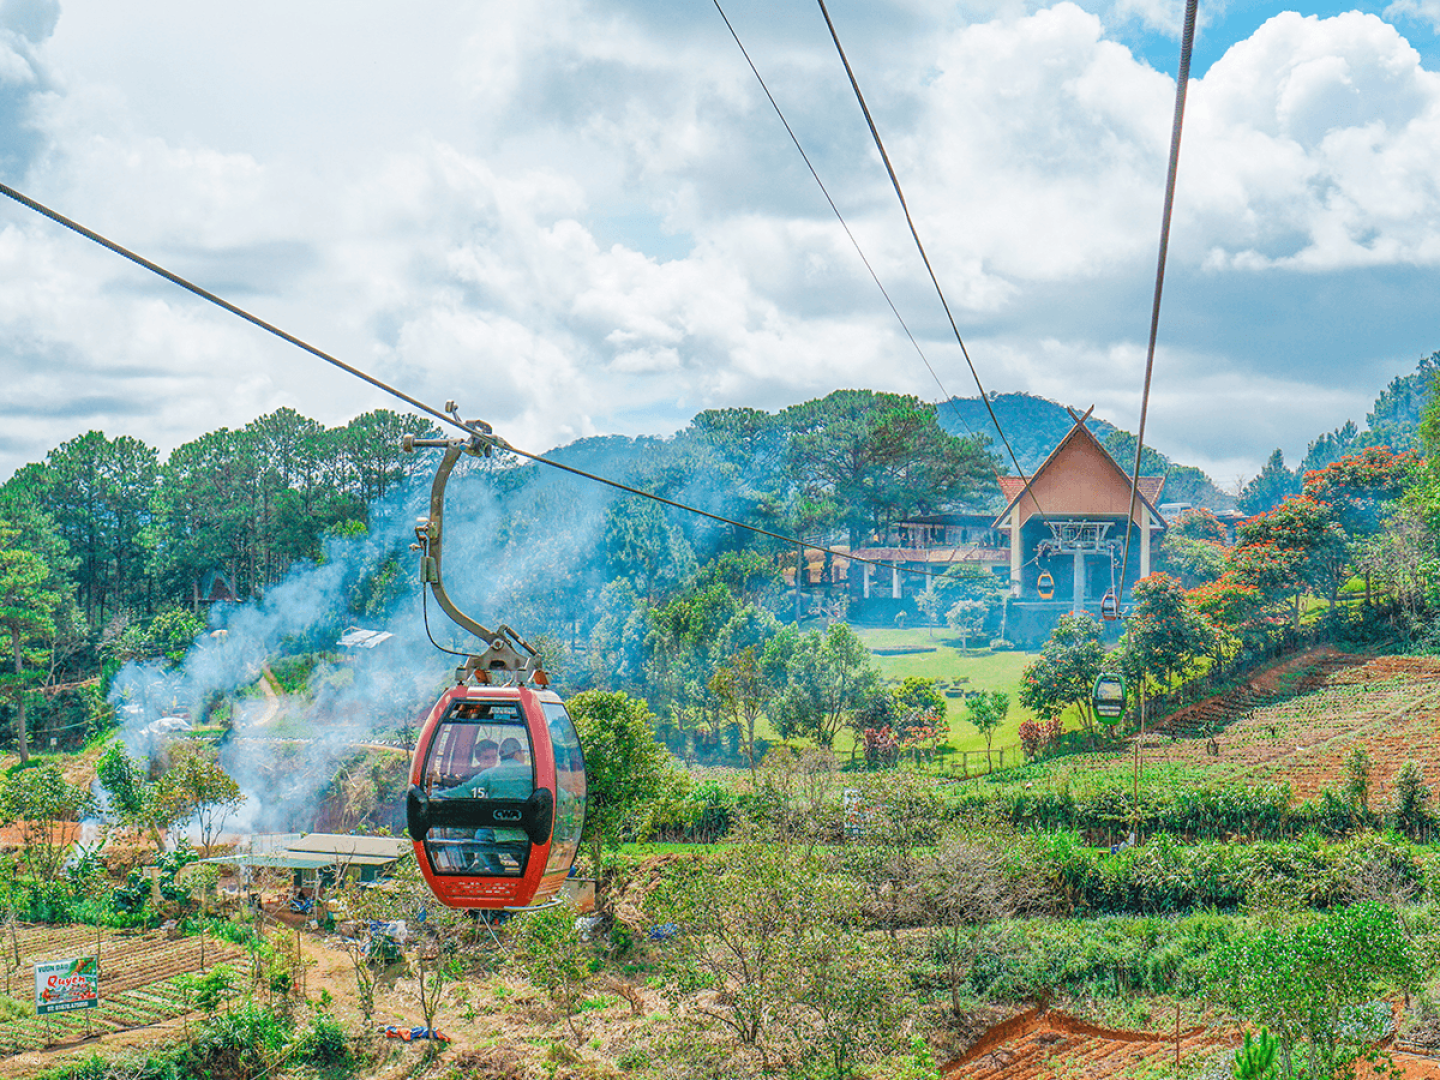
<point>1026,490</point>
<point>924,257</point>
<point>445,418</point>
<point>945,394</point>
<point>1182,80</point>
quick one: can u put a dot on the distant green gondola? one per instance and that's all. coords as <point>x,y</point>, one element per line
<point>1108,697</point>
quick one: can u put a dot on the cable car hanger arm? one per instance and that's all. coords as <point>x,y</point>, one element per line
<point>505,650</point>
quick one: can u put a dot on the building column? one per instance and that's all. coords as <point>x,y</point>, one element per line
<point>1079,599</point>
<point>1144,542</point>
<point>1015,552</point>
<point>869,570</point>
<point>894,583</point>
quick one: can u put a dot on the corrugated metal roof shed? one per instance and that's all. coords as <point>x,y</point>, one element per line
<point>281,860</point>
<point>358,849</point>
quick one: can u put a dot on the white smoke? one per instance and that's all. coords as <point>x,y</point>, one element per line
<point>521,547</point>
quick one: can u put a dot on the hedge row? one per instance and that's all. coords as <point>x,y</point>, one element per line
<point>1165,875</point>
<point>1224,811</point>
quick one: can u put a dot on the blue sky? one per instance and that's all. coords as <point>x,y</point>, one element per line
<point>581,217</point>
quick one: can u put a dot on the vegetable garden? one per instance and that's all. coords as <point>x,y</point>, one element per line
<point>142,980</point>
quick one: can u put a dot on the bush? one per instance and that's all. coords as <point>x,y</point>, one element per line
<point>324,1042</point>
<point>1108,957</point>
<point>238,1045</point>
<point>1163,876</point>
<point>709,810</point>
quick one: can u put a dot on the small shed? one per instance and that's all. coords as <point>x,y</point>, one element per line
<point>365,857</point>
<point>319,859</point>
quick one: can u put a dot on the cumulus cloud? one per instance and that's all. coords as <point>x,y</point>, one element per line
<point>585,219</point>
<point>1422,10</point>
<point>1315,148</point>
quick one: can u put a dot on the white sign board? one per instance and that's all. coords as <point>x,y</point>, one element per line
<point>65,985</point>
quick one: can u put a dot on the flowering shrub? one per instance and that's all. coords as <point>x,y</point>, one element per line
<point>881,746</point>
<point>1032,737</point>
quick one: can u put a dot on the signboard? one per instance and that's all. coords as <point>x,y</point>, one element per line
<point>65,985</point>
<point>856,813</point>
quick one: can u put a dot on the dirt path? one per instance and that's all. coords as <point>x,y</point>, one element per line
<point>272,700</point>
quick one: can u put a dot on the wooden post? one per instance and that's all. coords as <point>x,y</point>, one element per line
<point>1177,1040</point>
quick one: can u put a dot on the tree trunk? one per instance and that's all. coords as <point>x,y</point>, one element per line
<point>22,737</point>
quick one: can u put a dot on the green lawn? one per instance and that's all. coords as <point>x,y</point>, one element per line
<point>938,656</point>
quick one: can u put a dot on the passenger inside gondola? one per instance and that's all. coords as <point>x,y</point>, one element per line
<point>480,752</point>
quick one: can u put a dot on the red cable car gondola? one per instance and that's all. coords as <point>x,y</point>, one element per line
<point>1045,585</point>
<point>497,796</point>
<point>497,785</point>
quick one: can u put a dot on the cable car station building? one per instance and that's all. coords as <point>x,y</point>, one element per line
<point>1067,528</point>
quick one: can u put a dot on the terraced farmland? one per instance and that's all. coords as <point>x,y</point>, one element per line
<point>1389,705</point>
<point>1298,723</point>
<point>139,973</point>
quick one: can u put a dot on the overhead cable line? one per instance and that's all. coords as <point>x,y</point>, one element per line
<point>471,430</point>
<point>925,258</point>
<point>944,393</point>
<point>1182,80</point>
<point>1025,481</point>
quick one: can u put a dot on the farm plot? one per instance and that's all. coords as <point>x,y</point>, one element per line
<point>1039,1046</point>
<point>1388,705</point>
<point>139,980</point>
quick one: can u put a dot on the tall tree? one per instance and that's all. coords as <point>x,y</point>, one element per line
<point>1064,673</point>
<point>1311,539</point>
<point>1164,633</point>
<point>370,445</point>
<point>35,597</point>
<point>1330,447</point>
<point>1358,487</point>
<point>1271,487</point>
<point>627,772</point>
<point>878,458</point>
<point>1193,548</point>
<point>830,677</point>
<point>205,515</point>
<point>98,492</point>
<point>1395,421</point>
<point>987,712</point>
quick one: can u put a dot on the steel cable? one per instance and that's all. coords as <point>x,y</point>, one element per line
<point>429,410</point>
<point>1182,80</point>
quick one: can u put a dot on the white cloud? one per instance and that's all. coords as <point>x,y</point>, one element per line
<point>583,217</point>
<point>1424,10</point>
<point>1314,147</point>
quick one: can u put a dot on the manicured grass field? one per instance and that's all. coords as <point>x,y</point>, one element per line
<point>937,655</point>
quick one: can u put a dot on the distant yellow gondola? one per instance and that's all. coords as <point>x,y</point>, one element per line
<point>1045,586</point>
